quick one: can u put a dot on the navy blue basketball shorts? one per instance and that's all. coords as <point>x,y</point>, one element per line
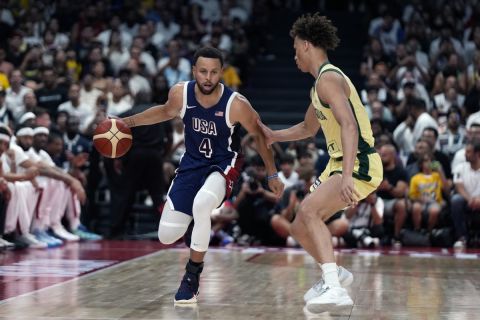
<point>186,185</point>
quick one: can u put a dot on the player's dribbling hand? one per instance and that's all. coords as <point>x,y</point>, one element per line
<point>347,191</point>
<point>267,132</point>
<point>276,186</point>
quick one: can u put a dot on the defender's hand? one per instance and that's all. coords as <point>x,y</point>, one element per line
<point>347,191</point>
<point>276,186</point>
<point>269,135</point>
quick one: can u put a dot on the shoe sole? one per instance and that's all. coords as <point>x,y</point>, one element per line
<point>329,307</point>
<point>185,302</point>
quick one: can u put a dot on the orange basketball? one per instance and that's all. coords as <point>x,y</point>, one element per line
<point>112,138</point>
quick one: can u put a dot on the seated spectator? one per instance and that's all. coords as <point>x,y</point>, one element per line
<point>16,93</point>
<point>472,133</point>
<point>465,203</point>
<point>119,100</point>
<point>426,192</point>
<point>172,71</point>
<point>287,175</point>
<point>173,49</point>
<point>430,135</point>
<point>254,202</point>
<point>393,190</point>
<point>74,107</point>
<point>286,208</point>
<point>453,139</point>
<point>51,95</point>
<point>6,117</point>
<point>409,131</point>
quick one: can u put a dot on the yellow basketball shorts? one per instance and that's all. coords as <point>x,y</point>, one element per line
<point>367,173</point>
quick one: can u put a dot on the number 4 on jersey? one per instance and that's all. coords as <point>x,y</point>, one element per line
<point>206,147</point>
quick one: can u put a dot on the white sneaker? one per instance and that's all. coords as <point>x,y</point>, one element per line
<point>291,242</point>
<point>6,244</point>
<point>330,299</point>
<point>344,276</point>
<point>32,242</point>
<point>60,232</point>
<point>459,245</point>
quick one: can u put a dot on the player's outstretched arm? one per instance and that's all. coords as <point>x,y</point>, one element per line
<point>160,113</point>
<point>243,113</point>
<point>305,129</point>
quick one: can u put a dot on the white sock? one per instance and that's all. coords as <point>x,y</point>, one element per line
<point>330,274</point>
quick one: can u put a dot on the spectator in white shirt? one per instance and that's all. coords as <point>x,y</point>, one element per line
<point>409,131</point>
<point>472,133</point>
<point>466,202</point>
<point>287,175</point>
<point>174,50</point>
<point>16,94</point>
<point>88,93</point>
<point>74,107</point>
<point>165,29</point>
<point>118,100</point>
<point>104,36</point>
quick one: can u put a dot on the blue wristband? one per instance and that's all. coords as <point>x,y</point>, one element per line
<point>273,176</point>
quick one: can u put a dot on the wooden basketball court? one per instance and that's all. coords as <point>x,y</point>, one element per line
<point>138,279</point>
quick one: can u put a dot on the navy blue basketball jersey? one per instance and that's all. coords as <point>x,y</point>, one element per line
<point>210,138</point>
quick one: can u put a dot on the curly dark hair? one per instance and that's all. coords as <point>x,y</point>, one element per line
<point>316,29</point>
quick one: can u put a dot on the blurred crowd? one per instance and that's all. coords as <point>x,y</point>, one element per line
<point>421,87</point>
<point>65,66</point>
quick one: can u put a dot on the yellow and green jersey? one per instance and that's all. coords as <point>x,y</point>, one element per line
<point>330,126</point>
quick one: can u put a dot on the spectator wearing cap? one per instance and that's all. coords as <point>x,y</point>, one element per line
<point>410,87</point>
<point>16,93</point>
<point>6,116</point>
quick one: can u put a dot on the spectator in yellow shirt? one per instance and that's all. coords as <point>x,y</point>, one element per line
<point>426,192</point>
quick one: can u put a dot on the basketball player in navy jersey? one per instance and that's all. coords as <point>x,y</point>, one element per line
<point>212,114</point>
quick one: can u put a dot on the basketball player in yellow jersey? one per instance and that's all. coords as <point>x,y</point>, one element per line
<point>354,170</point>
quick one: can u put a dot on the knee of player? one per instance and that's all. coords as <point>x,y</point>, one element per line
<point>166,236</point>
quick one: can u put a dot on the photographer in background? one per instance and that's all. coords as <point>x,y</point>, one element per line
<point>366,223</point>
<point>254,202</point>
<point>286,208</point>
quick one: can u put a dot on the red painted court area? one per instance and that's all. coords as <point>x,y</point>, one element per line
<point>24,271</point>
